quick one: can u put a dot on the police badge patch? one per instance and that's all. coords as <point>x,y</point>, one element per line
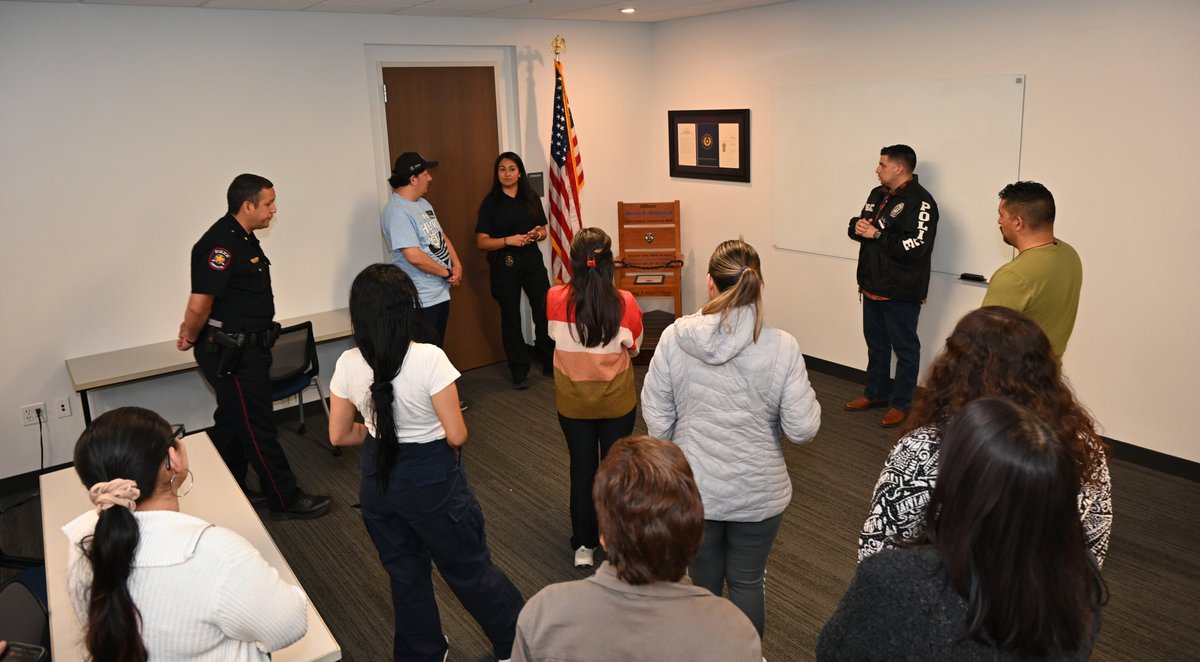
<point>896,210</point>
<point>218,259</point>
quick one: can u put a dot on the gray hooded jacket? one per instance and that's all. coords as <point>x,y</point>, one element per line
<point>726,401</point>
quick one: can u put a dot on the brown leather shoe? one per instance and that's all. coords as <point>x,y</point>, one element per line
<point>862,404</point>
<point>893,417</point>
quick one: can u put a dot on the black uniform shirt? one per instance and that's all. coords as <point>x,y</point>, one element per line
<point>229,264</point>
<point>505,217</point>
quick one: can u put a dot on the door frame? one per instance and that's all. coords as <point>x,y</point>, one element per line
<point>502,60</point>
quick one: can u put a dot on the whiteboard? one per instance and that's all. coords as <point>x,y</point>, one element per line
<point>967,135</point>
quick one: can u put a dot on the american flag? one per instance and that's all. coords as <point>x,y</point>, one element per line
<point>566,178</point>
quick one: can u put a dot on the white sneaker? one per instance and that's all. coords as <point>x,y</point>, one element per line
<point>585,557</point>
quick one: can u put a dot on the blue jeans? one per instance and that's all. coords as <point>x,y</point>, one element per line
<point>427,512</point>
<point>735,553</point>
<point>891,326</point>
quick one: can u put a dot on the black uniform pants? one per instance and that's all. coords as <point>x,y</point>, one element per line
<point>243,429</point>
<point>526,274</point>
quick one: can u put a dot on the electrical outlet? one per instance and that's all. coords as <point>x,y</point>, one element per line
<point>62,408</point>
<point>29,413</point>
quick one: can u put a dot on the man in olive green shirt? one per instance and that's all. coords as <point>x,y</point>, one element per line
<point>1044,279</point>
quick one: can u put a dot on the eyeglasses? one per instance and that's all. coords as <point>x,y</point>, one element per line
<point>177,432</point>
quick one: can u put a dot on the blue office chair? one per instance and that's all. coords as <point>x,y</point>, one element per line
<point>294,368</point>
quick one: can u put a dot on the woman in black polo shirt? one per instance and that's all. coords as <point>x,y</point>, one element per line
<point>511,222</point>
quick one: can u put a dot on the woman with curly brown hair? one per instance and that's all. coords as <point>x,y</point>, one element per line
<point>993,351</point>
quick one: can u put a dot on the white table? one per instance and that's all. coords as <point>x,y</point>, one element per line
<point>216,498</point>
<point>163,358</point>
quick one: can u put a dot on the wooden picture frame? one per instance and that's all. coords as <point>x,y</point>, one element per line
<point>709,144</point>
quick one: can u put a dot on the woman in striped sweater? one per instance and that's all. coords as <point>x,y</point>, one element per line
<point>597,329</point>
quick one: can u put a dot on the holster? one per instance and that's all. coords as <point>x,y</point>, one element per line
<point>230,345</point>
<point>271,335</point>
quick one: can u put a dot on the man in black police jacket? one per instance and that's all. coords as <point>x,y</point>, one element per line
<point>895,231</point>
<point>229,322</point>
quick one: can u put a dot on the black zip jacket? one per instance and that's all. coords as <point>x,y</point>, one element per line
<point>896,265</point>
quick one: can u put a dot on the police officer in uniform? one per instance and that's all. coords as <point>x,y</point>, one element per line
<point>511,223</point>
<point>229,323</point>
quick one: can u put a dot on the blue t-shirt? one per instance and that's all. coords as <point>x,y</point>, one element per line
<point>414,225</point>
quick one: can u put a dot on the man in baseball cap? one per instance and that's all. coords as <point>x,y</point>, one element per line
<point>417,243</point>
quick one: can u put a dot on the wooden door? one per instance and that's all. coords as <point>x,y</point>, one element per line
<point>448,115</point>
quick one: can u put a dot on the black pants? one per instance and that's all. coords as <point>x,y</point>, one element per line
<point>243,429</point>
<point>527,274</point>
<point>428,513</point>
<point>431,323</point>
<point>588,441</point>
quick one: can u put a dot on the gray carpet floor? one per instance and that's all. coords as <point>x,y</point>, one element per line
<point>517,462</point>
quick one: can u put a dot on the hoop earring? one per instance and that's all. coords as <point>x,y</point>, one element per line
<point>185,486</point>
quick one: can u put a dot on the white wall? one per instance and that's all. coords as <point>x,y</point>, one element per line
<point>1112,101</point>
<point>121,127</point>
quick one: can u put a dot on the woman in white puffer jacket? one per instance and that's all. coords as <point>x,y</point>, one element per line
<point>726,388</point>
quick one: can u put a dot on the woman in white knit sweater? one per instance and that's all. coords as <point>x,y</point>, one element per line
<point>148,581</point>
<point>726,388</point>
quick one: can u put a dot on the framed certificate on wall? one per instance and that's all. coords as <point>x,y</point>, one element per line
<point>709,144</point>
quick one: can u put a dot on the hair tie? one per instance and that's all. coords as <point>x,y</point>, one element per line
<point>381,387</point>
<point>743,270</point>
<point>116,492</point>
<point>591,262</point>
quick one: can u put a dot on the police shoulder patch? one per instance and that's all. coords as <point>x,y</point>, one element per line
<point>897,209</point>
<point>219,259</point>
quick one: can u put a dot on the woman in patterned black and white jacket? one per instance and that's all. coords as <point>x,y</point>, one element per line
<point>993,351</point>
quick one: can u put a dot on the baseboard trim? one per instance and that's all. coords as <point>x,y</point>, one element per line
<point>1121,450</point>
<point>835,369</point>
<point>1152,459</point>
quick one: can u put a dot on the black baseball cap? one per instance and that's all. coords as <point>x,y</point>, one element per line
<point>411,163</point>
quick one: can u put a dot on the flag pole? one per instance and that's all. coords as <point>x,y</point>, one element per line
<point>566,174</point>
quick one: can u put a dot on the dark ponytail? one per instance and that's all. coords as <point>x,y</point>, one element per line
<point>129,443</point>
<point>383,304</point>
<point>594,301</point>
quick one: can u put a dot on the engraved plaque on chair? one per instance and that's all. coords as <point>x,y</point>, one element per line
<point>648,233</point>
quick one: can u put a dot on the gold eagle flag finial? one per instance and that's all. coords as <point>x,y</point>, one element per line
<point>559,45</point>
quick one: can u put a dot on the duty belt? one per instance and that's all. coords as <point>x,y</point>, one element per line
<point>264,337</point>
